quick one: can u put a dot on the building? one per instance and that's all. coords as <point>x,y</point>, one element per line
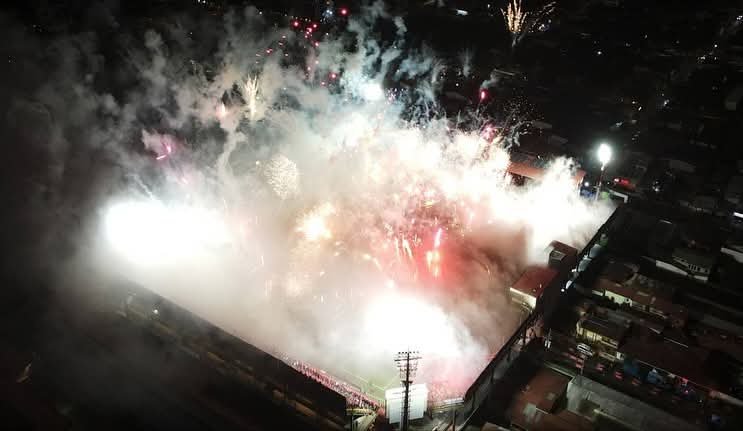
<point>531,285</point>
<point>694,262</point>
<point>630,317</point>
<point>538,407</point>
<point>601,333</point>
<point>623,285</point>
<point>630,171</point>
<point>673,363</point>
<point>537,288</point>
<point>561,256</point>
<point>524,166</point>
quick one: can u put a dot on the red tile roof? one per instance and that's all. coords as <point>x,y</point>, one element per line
<point>534,408</point>
<point>534,280</point>
<point>687,362</point>
<point>617,272</point>
<point>605,285</point>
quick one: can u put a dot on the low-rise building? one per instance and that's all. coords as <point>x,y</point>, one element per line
<point>630,171</point>
<point>538,406</point>
<point>696,263</point>
<point>675,363</point>
<point>601,333</point>
<point>622,284</point>
<point>538,286</point>
<point>530,286</point>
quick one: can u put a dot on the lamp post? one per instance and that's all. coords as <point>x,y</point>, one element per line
<point>604,155</point>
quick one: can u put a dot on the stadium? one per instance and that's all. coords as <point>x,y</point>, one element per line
<point>426,305</point>
<point>297,228</point>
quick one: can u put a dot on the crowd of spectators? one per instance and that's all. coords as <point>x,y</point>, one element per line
<point>354,396</point>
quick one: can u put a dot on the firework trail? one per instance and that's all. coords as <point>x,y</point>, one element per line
<point>520,23</point>
<point>465,60</point>
<point>251,96</point>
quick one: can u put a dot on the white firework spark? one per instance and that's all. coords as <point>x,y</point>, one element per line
<point>283,176</point>
<point>251,97</point>
<point>520,23</point>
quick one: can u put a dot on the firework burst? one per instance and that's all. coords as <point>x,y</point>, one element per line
<point>520,23</point>
<point>283,176</point>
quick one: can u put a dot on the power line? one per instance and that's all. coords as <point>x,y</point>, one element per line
<point>407,364</point>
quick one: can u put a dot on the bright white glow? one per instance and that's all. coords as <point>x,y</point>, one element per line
<point>314,225</point>
<point>151,232</point>
<point>604,154</point>
<point>372,91</point>
<point>394,322</point>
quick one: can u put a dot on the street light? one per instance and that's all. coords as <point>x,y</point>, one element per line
<point>604,156</point>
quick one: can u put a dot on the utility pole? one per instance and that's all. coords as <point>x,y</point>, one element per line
<point>407,364</point>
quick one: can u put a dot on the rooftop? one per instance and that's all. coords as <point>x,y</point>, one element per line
<point>623,280</point>
<point>618,272</point>
<point>562,253</point>
<point>605,328</point>
<point>694,257</point>
<point>536,407</point>
<point>534,280</point>
<point>685,361</point>
<point>717,339</point>
<point>534,167</point>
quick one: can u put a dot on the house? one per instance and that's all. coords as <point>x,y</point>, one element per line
<point>540,285</point>
<point>693,262</point>
<point>561,257</point>
<point>532,283</point>
<point>675,362</point>
<point>538,405</point>
<point>601,333</point>
<point>621,284</point>
<point>631,170</point>
<point>629,318</point>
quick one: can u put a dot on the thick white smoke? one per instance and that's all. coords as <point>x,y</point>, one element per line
<point>279,191</point>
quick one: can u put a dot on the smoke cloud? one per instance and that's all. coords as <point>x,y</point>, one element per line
<point>243,171</point>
